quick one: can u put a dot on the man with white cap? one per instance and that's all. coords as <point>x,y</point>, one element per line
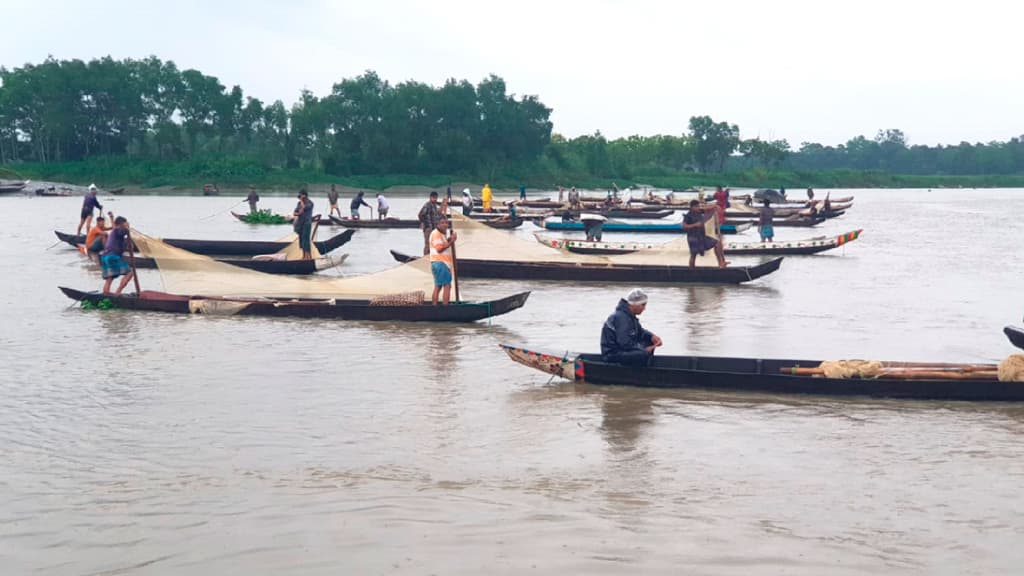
<point>467,202</point>
<point>89,203</point>
<point>623,339</point>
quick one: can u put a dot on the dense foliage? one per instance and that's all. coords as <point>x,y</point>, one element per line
<point>145,121</point>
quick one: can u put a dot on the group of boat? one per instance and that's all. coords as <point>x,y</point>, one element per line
<point>483,254</point>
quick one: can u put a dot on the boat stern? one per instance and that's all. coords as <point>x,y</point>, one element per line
<point>561,365</point>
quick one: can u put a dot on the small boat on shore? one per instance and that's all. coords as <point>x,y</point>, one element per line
<point>905,380</point>
<point>12,187</point>
<point>789,248</point>
<point>229,247</point>
<point>667,228</point>
<point>381,309</point>
<point>790,222</point>
<point>605,272</point>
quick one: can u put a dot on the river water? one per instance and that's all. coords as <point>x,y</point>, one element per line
<point>141,443</point>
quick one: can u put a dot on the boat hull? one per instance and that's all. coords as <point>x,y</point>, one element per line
<point>319,309</point>
<point>793,248</point>
<point>675,228</point>
<point>755,375</point>
<point>229,247</point>
<point>512,270</point>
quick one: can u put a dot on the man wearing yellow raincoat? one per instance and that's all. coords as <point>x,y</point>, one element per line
<point>485,195</point>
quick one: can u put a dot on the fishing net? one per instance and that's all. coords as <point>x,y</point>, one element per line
<point>182,272</point>
<point>1012,368</point>
<point>851,368</point>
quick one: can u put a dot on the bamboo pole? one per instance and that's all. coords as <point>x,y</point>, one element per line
<point>131,262</point>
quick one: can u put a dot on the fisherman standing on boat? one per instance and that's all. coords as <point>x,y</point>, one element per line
<point>113,260</point>
<point>332,199</point>
<point>697,238</point>
<point>623,339</point>
<point>430,214</point>
<point>357,201</point>
<point>485,196</point>
<point>764,222</point>
<point>441,263</point>
<point>304,224</point>
<point>252,199</point>
<point>722,202</point>
<point>383,207</point>
<point>467,202</point>
<point>522,192</point>
<point>89,204</point>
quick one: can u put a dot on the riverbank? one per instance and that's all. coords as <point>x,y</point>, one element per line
<point>232,176</point>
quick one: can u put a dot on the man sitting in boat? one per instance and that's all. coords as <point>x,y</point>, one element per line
<point>96,239</point>
<point>623,339</point>
<point>697,238</point>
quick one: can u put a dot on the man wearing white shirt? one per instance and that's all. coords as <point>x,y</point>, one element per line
<point>382,207</point>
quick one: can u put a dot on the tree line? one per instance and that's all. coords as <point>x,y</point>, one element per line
<point>63,111</point>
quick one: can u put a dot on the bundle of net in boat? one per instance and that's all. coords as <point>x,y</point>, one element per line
<point>478,241</point>
<point>183,272</point>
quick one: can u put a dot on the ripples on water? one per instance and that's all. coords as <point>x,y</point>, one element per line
<point>145,443</point>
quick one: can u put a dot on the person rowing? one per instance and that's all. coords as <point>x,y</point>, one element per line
<point>96,239</point>
<point>89,203</point>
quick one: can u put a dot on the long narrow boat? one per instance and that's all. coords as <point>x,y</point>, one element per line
<point>305,308</point>
<point>1016,335</point>
<point>493,222</point>
<point>587,272</point>
<point>791,222</point>
<point>292,267</point>
<point>12,188</point>
<point>671,228</point>
<point>229,247</point>
<point>633,214</point>
<point>790,248</point>
<point>767,375</point>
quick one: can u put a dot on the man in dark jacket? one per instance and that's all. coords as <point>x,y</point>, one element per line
<point>623,340</point>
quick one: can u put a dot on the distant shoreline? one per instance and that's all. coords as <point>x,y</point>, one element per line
<point>283,182</point>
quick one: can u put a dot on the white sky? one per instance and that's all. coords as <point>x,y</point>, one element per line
<point>820,71</point>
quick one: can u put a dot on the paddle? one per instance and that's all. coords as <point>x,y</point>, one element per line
<point>223,211</point>
<point>455,260</point>
<point>131,262</point>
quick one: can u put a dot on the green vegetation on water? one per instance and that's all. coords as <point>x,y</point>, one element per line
<point>145,123</point>
<point>264,217</point>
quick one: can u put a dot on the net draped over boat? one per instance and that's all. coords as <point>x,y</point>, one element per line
<point>478,241</point>
<point>183,272</point>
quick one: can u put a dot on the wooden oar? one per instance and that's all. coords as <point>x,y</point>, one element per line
<point>906,373</point>
<point>455,259</point>
<point>131,262</point>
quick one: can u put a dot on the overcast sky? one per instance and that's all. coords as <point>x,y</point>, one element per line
<point>820,71</point>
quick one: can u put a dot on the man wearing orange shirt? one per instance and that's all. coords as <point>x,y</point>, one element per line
<point>441,263</point>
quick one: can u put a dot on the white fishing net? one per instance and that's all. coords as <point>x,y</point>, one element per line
<point>183,272</point>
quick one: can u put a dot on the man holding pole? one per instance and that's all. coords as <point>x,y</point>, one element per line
<point>113,259</point>
<point>441,260</point>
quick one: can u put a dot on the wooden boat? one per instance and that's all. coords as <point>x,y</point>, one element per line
<point>116,191</point>
<point>754,212</point>
<point>333,309</point>
<point>587,272</point>
<point>930,382</point>
<point>12,188</point>
<point>292,267</point>
<point>229,247</point>
<point>53,192</point>
<point>790,248</point>
<point>1016,335</point>
<point>371,223</point>
<point>791,222</point>
<point>493,222</point>
<point>668,228</point>
<point>633,214</point>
